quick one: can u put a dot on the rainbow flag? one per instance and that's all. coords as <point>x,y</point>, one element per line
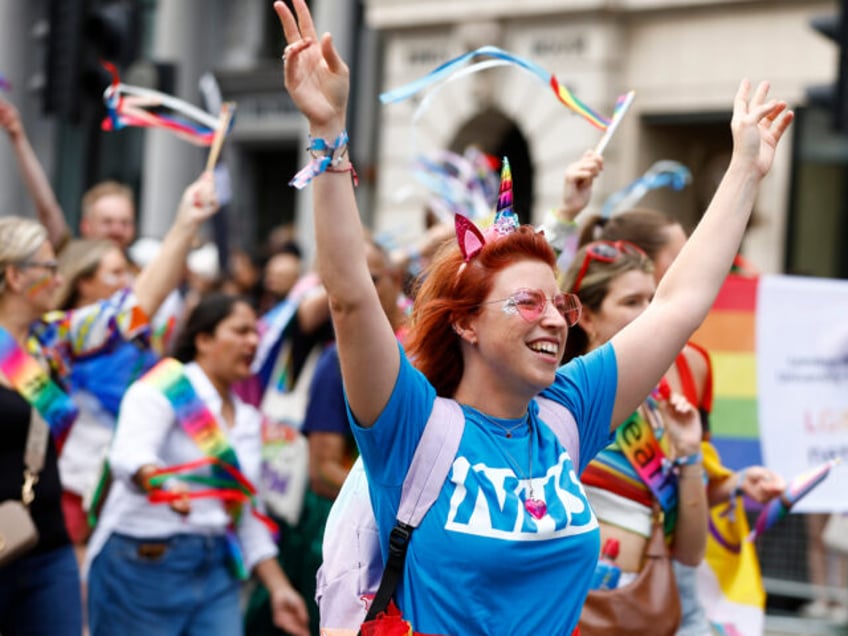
<point>728,333</point>
<point>729,580</point>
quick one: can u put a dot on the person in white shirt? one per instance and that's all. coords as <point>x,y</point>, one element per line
<point>166,568</point>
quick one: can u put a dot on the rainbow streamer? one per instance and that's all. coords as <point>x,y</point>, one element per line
<point>273,327</point>
<point>797,489</point>
<point>37,388</point>
<point>445,70</point>
<point>128,105</point>
<point>466,184</point>
<point>5,85</point>
<point>662,174</point>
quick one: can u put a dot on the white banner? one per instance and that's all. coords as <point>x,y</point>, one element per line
<point>802,382</point>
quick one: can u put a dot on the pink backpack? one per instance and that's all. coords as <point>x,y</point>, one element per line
<point>353,580</point>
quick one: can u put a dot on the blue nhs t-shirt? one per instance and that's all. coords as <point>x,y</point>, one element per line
<point>479,563</point>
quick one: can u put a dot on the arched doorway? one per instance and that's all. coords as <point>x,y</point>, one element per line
<point>498,135</point>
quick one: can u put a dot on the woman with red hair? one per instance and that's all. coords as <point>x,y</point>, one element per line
<point>510,544</point>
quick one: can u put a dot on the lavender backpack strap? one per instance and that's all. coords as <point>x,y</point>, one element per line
<point>560,420</point>
<point>424,480</point>
<point>432,461</point>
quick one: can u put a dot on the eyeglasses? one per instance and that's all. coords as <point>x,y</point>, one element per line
<point>605,252</point>
<point>530,305</point>
<point>52,266</point>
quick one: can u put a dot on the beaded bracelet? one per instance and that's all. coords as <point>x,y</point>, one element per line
<point>348,168</point>
<point>325,156</point>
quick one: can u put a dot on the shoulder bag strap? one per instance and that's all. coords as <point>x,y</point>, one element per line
<point>34,452</point>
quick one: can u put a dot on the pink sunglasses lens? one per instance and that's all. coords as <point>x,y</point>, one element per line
<point>530,303</point>
<point>569,306</point>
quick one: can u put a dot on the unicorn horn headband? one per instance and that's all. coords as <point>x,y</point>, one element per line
<point>471,240</point>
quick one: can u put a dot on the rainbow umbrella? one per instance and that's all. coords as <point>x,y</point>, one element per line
<point>797,489</point>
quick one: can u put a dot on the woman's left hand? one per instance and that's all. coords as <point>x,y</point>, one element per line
<point>757,126</point>
<point>683,425</point>
<point>289,611</point>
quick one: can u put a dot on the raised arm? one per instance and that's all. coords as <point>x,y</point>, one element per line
<point>646,348</point>
<point>46,206</point>
<point>162,275</point>
<point>560,225</point>
<point>318,81</point>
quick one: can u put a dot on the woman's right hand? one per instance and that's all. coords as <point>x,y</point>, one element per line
<point>316,77</point>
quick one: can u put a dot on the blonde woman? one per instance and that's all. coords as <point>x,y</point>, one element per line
<point>52,341</point>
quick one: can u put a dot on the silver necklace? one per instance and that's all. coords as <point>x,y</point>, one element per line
<point>507,429</point>
<point>535,507</point>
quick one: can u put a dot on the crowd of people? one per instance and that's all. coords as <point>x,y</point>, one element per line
<point>155,505</point>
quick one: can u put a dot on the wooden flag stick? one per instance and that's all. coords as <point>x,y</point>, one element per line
<point>226,115</point>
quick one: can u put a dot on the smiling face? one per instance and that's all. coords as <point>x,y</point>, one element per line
<point>628,295</point>
<point>226,353</point>
<point>516,354</point>
<point>111,216</point>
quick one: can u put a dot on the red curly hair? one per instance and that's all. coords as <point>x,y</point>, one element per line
<point>446,295</point>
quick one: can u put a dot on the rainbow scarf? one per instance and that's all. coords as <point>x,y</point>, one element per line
<point>200,425</point>
<point>36,387</point>
<point>640,446</point>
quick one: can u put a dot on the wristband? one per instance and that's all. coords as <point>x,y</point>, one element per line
<point>737,489</point>
<point>688,460</point>
<point>324,155</point>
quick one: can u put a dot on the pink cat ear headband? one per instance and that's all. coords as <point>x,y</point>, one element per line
<point>471,240</point>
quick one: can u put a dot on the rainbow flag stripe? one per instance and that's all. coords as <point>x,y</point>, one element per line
<point>728,333</point>
<point>37,388</point>
<point>729,578</point>
<point>570,100</point>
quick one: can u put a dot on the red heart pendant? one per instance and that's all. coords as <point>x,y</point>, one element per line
<point>536,507</point>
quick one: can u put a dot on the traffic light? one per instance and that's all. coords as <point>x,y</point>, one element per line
<point>111,32</point>
<point>834,96</point>
<point>82,34</point>
<point>64,46</point>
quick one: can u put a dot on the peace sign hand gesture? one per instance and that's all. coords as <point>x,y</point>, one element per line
<point>316,77</point>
